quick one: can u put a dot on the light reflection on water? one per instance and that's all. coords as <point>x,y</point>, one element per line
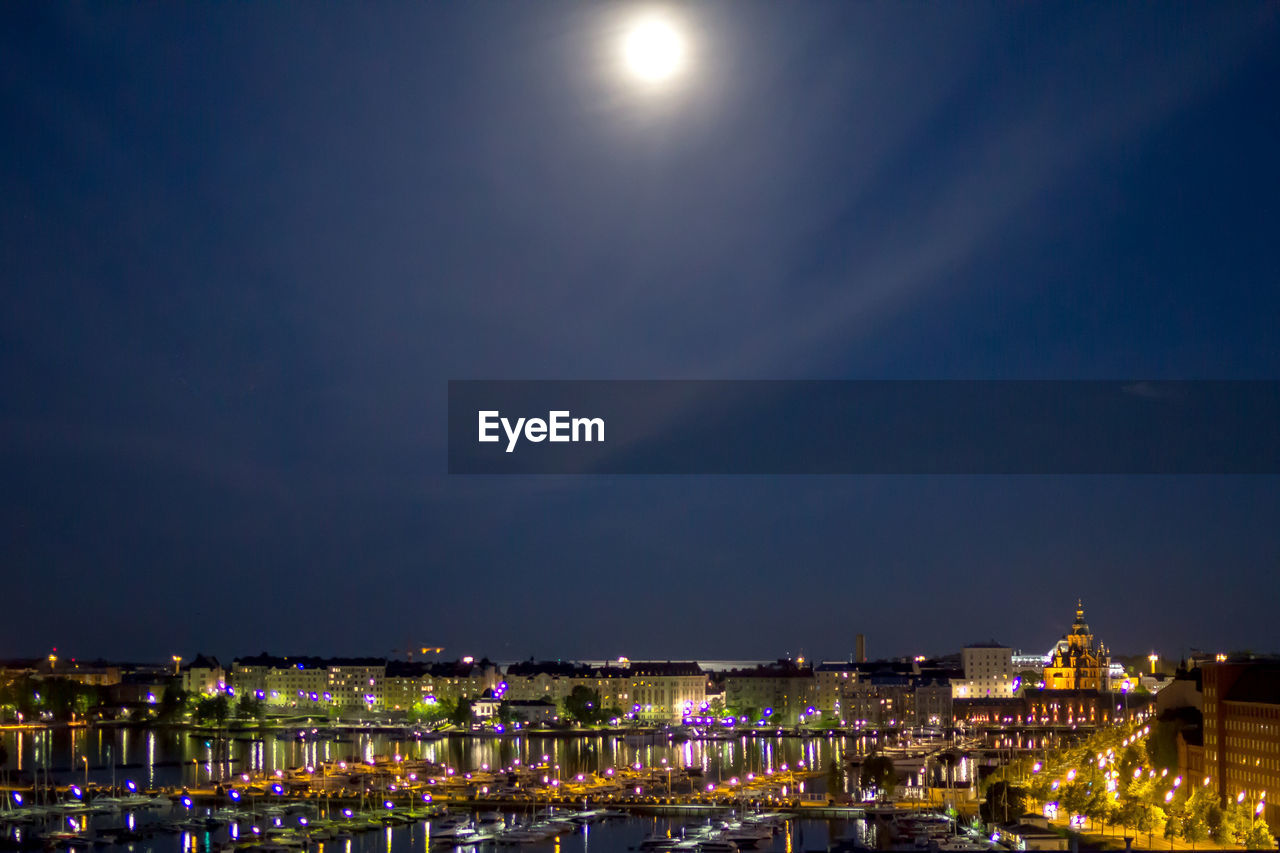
<point>172,756</point>
<point>614,835</point>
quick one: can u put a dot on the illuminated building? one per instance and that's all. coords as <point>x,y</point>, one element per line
<point>831,678</point>
<point>889,699</point>
<point>1242,731</point>
<point>1075,664</point>
<point>665,691</point>
<point>203,676</point>
<point>785,688</point>
<point>553,681</point>
<point>988,672</point>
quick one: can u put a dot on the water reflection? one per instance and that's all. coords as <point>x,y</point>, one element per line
<point>164,756</point>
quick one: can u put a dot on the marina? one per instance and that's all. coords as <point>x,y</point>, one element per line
<point>180,823</point>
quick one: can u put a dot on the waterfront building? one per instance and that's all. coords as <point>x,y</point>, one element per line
<point>94,675</point>
<point>203,676</point>
<point>487,706</point>
<point>1075,664</point>
<point>1242,731</point>
<point>1044,707</point>
<point>289,682</point>
<point>405,684</point>
<point>462,679</point>
<point>357,682</point>
<point>784,691</point>
<point>139,690</point>
<point>372,684</point>
<point>612,683</point>
<point>892,698</point>
<point>831,679</point>
<point>532,711</point>
<point>554,681</point>
<point>666,691</point>
<point>991,711</point>
<point>988,672</point>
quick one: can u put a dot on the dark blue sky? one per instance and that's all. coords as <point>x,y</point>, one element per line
<point>244,247</point>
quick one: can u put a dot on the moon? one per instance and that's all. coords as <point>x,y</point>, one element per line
<point>654,50</point>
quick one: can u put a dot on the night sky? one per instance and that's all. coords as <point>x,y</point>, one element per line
<point>244,247</point>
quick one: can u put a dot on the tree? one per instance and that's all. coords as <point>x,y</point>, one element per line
<point>1041,787</point>
<point>1131,758</point>
<point>173,703</point>
<point>461,713</point>
<point>213,708</point>
<point>1101,808</point>
<point>1005,802</point>
<point>435,710</point>
<point>1174,828</point>
<point>878,773</point>
<point>249,708</point>
<point>1194,829</point>
<point>1148,819</point>
<point>1029,678</point>
<point>1221,823</point>
<point>1259,837</point>
<point>1074,797</point>
<point>583,704</point>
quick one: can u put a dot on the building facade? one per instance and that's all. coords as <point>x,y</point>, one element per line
<point>666,691</point>
<point>1075,663</point>
<point>203,676</point>
<point>988,672</point>
<point>783,691</point>
<point>1242,731</point>
<point>899,700</point>
<point>831,680</point>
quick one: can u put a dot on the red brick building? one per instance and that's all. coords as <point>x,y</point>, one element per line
<point>1242,731</point>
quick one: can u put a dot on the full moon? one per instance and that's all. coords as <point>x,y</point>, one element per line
<point>654,50</point>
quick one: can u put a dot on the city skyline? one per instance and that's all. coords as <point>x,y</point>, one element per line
<point>440,654</point>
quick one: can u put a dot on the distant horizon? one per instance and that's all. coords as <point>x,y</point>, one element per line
<point>729,663</point>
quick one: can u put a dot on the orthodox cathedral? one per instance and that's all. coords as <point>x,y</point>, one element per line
<point>1075,664</point>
